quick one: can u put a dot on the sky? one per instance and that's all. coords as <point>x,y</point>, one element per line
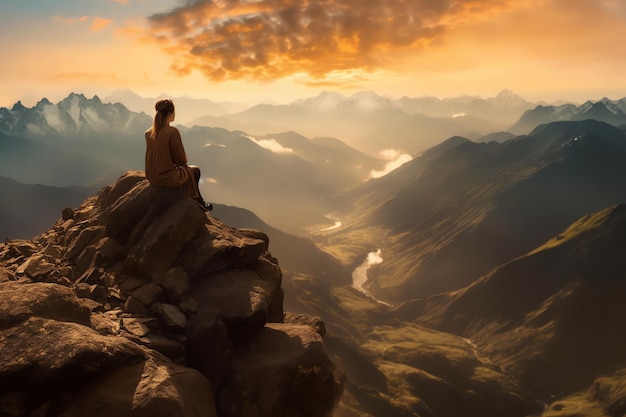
<point>282,50</point>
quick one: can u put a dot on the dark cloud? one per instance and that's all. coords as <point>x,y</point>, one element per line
<point>269,39</point>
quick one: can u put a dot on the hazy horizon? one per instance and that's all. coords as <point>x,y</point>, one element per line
<point>542,50</point>
<point>268,100</point>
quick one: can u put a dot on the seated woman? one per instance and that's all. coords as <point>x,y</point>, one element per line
<point>166,161</point>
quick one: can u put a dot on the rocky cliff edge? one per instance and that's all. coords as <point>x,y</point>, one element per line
<point>137,303</point>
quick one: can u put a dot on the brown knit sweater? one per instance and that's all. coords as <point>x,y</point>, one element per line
<point>166,161</point>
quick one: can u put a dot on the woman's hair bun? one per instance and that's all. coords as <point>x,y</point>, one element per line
<point>165,105</point>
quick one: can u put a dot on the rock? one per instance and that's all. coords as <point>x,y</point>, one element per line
<point>6,274</point>
<point>275,374</point>
<point>134,306</point>
<point>175,283</point>
<point>172,319</point>
<point>84,238</point>
<point>157,387</point>
<point>154,254</point>
<point>165,345</point>
<point>13,404</point>
<point>148,294</point>
<point>256,234</point>
<point>137,326</point>
<point>91,276</point>
<point>128,283</point>
<point>111,250</point>
<point>105,324</point>
<point>268,269</point>
<point>22,247</point>
<point>316,323</point>
<point>40,357</point>
<point>35,267</point>
<point>208,346</point>
<point>18,302</point>
<point>242,297</point>
<point>218,248</point>
<point>134,210</point>
<point>89,258</point>
<point>188,305</point>
<point>83,290</point>
<point>110,194</point>
<point>53,250</point>
<point>67,213</point>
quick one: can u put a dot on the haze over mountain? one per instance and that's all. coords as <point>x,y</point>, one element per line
<point>187,108</point>
<point>462,208</point>
<point>609,111</point>
<point>372,123</point>
<point>82,141</point>
<point>26,210</point>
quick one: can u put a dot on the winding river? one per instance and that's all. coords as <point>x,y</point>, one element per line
<point>359,275</point>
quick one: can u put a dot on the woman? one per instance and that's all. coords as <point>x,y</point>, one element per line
<point>166,161</point>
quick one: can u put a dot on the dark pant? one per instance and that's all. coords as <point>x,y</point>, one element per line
<point>196,173</point>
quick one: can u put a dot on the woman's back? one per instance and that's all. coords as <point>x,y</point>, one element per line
<point>165,158</point>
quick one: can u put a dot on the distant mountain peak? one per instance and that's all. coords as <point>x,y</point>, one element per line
<point>508,98</point>
<point>74,116</point>
<point>360,101</point>
<point>43,102</point>
<point>326,100</point>
<point>18,106</point>
<point>505,93</point>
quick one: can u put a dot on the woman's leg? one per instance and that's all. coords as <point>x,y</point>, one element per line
<point>196,173</point>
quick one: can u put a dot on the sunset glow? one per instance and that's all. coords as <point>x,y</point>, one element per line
<point>242,50</point>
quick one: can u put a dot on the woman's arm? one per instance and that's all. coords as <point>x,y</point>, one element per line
<point>176,148</point>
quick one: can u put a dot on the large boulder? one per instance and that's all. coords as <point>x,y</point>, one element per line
<point>155,387</point>
<point>286,372</point>
<point>22,301</point>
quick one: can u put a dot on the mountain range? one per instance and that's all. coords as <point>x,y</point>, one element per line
<point>372,123</point>
<point>499,264</point>
<point>610,111</point>
<point>462,208</point>
<point>539,314</point>
<point>81,141</point>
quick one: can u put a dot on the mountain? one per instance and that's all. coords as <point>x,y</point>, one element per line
<point>462,208</point>
<point>187,108</point>
<point>370,131</point>
<point>81,141</point>
<point>363,101</point>
<point>539,314</point>
<point>288,180</point>
<point>76,116</point>
<point>77,141</point>
<point>504,108</point>
<point>26,210</point>
<point>372,123</point>
<point>609,111</point>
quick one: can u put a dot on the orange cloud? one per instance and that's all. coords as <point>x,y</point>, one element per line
<point>99,23</point>
<point>270,39</point>
<point>70,20</point>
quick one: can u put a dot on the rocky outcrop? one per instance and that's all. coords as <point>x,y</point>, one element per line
<point>138,303</point>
